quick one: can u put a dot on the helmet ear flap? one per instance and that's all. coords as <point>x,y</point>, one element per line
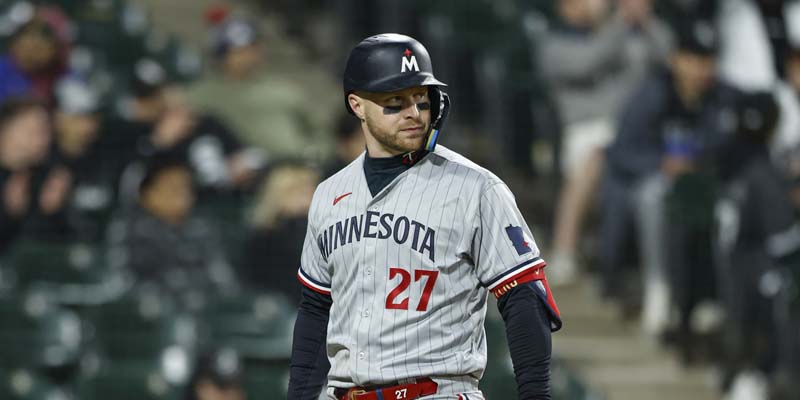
<point>440,107</point>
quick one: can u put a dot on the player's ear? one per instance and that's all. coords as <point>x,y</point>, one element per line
<point>356,104</point>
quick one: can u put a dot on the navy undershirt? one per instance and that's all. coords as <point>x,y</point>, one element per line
<point>382,171</point>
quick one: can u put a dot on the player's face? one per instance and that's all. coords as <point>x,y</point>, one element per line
<point>396,122</point>
<point>34,51</point>
<point>29,133</point>
<point>694,73</point>
<point>75,132</point>
<point>171,195</point>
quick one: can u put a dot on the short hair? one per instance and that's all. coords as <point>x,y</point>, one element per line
<point>35,26</point>
<point>235,32</point>
<point>158,163</point>
<point>148,79</point>
<point>222,367</point>
<point>697,36</point>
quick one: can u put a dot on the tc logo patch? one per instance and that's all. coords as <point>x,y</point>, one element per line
<point>517,237</point>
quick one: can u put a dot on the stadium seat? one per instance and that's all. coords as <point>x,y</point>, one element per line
<point>36,334</point>
<point>128,381</point>
<point>265,380</point>
<point>32,261</point>
<point>258,327</point>
<point>25,384</point>
<point>140,326</point>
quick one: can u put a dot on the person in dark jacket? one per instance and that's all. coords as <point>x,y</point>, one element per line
<point>670,126</point>
<point>163,241</point>
<point>592,58</point>
<point>36,57</point>
<point>28,184</point>
<point>160,120</point>
<point>80,147</point>
<point>755,211</point>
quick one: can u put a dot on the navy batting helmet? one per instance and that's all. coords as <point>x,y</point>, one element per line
<point>390,62</point>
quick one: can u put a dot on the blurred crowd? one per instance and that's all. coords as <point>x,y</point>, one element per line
<point>678,126</point>
<point>152,211</point>
<point>153,197</point>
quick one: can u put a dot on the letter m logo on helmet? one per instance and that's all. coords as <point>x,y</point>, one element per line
<point>409,63</point>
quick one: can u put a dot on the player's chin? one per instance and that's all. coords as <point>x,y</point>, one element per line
<point>411,143</point>
<point>416,135</point>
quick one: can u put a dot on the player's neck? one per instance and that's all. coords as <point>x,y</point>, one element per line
<point>376,150</point>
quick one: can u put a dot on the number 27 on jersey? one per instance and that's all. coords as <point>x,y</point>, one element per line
<point>429,280</point>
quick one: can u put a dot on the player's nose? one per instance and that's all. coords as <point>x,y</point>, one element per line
<point>412,111</point>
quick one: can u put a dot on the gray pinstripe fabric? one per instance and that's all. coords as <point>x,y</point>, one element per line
<point>445,214</point>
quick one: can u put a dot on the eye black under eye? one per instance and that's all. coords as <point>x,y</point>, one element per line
<point>397,109</point>
<point>392,109</point>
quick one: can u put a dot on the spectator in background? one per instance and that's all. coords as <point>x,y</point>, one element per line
<point>216,376</point>
<point>349,144</point>
<point>29,186</point>
<point>94,168</point>
<point>786,142</point>
<point>754,42</point>
<point>755,207</point>
<point>160,120</point>
<point>789,99</point>
<point>268,111</point>
<point>593,58</point>
<point>164,242</point>
<point>668,128</point>
<point>676,11</point>
<point>279,221</point>
<point>36,58</point>
<point>786,247</point>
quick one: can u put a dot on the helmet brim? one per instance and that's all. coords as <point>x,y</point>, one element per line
<point>393,83</point>
<point>400,82</point>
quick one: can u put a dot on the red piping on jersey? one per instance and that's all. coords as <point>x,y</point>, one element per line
<point>310,286</point>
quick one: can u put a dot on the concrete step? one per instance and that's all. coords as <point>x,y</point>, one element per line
<point>614,358</point>
<point>594,325</point>
<point>646,393</point>
<point>604,350</point>
<point>654,373</point>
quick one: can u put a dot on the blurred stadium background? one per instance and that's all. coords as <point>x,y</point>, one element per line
<point>157,160</point>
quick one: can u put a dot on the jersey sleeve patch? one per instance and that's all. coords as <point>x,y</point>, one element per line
<point>518,240</point>
<point>312,284</point>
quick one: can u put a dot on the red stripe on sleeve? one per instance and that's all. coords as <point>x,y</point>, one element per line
<point>312,287</point>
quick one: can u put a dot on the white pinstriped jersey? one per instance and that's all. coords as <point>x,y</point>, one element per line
<point>409,270</point>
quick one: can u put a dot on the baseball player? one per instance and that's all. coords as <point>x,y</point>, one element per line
<point>402,249</point>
